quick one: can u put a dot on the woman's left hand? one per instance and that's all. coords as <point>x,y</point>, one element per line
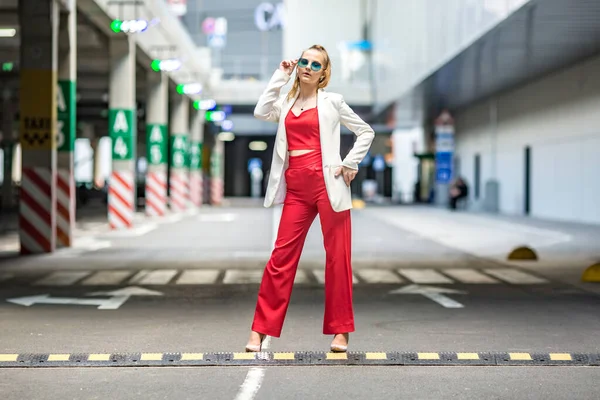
<point>348,173</point>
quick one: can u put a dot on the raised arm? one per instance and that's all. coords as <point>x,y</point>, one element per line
<point>361,129</point>
<point>269,103</point>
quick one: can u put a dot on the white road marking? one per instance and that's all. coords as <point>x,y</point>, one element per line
<point>301,277</point>
<point>515,276</point>
<point>154,277</point>
<point>237,276</point>
<point>102,278</point>
<point>378,276</point>
<point>466,275</point>
<point>198,277</point>
<point>254,378</point>
<point>432,293</point>
<point>320,275</point>
<point>419,275</point>
<point>229,217</point>
<point>62,278</point>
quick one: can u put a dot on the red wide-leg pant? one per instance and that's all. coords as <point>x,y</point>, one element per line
<point>306,196</point>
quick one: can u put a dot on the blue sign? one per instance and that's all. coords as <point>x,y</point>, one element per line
<point>254,163</point>
<point>378,163</point>
<point>443,167</point>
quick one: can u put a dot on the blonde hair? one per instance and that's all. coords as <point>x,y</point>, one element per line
<point>326,72</point>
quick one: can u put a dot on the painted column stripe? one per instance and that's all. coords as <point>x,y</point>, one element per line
<point>124,181</point>
<point>38,178</point>
<point>31,239</point>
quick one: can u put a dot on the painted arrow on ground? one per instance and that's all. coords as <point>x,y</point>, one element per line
<point>433,293</point>
<point>117,299</point>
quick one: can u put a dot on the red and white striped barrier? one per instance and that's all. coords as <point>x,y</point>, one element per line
<point>121,200</point>
<point>216,190</point>
<point>36,217</point>
<point>196,188</point>
<point>65,208</point>
<point>178,190</point>
<point>156,194</point>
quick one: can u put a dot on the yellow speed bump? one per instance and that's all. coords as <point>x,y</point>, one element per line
<point>337,356</point>
<point>59,357</point>
<point>523,253</point>
<point>358,204</point>
<point>560,357</point>
<point>152,356</point>
<point>428,356</point>
<point>520,356</point>
<point>467,356</point>
<point>8,357</point>
<point>284,356</point>
<point>99,357</point>
<point>592,273</point>
<point>192,356</point>
<point>244,356</point>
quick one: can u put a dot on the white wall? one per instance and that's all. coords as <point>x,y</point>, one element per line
<point>558,116</point>
<point>412,38</point>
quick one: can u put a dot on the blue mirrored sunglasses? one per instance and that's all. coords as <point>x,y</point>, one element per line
<point>315,66</point>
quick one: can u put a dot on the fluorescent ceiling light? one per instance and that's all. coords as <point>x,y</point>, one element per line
<point>257,146</point>
<point>7,32</point>
<point>226,136</point>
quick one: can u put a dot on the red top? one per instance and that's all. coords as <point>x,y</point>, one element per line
<point>303,130</point>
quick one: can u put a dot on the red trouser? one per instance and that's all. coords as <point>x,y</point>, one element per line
<point>306,196</point>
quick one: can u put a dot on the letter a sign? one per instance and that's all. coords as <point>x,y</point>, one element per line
<point>121,128</point>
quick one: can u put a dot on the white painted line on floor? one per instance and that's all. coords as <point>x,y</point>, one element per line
<point>466,275</point>
<point>515,276</point>
<point>320,275</point>
<point>102,278</point>
<point>254,378</point>
<point>419,275</point>
<point>198,277</point>
<point>237,276</point>
<point>301,277</point>
<point>62,278</point>
<point>154,277</point>
<point>228,217</point>
<point>378,276</point>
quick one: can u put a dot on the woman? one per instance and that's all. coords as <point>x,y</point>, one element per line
<point>309,178</point>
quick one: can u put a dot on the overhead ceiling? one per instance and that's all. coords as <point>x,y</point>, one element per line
<point>541,37</point>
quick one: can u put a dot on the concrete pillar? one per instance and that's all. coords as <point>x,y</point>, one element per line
<point>122,129</point>
<point>157,112</point>
<point>38,21</point>
<point>66,126</point>
<point>217,164</point>
<point>179,178</point>
<point>9,141</point>
<point>195,157</point>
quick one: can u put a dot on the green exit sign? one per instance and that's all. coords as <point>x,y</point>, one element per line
<point>7,66</point>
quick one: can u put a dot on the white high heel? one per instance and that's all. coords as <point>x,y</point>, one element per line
<point>340,348</point>
<point>252,348</point>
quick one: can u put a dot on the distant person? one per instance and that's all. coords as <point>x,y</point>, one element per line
<point>458,190</point>
<point>309,177</point>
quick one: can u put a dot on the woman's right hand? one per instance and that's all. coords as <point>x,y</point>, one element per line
<point>287,66</point>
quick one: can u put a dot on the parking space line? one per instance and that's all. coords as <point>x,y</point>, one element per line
<point>62,278</point>
<point>102,278</point>
<point>423,276</point>
<point>515,276</point>
<point>233,276</point>
<point>198,277</point>
<point>378,276</point>
<point>156,277</point>
<point>466,275</point>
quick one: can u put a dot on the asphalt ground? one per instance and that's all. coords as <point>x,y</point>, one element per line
<point>497,317</point>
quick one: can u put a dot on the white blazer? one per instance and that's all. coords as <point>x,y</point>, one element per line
<point>332,111</point>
